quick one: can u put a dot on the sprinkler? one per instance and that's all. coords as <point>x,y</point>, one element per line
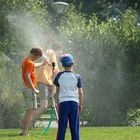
<point>53,65</point>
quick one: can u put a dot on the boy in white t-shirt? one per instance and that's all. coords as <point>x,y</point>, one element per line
<point>70,95</point>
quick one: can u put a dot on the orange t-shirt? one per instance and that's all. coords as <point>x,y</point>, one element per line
<point>28,67</point>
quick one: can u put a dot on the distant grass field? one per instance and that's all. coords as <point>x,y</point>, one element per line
<point>90,133</point>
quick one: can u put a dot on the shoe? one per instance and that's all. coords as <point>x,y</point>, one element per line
<point>24,134</point>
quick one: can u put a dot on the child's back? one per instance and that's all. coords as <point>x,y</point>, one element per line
<point>69,83</point>
<point>69,89</point>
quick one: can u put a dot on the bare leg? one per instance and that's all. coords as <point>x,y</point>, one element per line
<point>27,121</point>
<point>41,109</point>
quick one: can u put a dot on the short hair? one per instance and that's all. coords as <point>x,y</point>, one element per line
<point>36,51</point>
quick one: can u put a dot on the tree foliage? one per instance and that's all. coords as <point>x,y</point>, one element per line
<point>12,9</point>
<point>15,17</point>
<point>105,53</point>
<point>104,8</point>
<point>104,39</point>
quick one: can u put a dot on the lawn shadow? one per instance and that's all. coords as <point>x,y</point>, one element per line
<point>8,135</point>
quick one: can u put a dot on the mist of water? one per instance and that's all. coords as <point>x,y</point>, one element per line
<point>31,31</point>
<point>102,72</point>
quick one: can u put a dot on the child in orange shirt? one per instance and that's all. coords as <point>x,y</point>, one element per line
<point>30,86</point>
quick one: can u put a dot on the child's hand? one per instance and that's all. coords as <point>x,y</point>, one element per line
<point>36,91</point>
<point>45,62</point>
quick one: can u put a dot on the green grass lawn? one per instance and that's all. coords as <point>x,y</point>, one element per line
<point>90,133</point>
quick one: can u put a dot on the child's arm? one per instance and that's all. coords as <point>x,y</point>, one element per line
<point>57,94</point>
<point>57,90</point>
<point>80,90</point>
<point>41,63</point>
<point>56,83</point>
<point>27,77</point>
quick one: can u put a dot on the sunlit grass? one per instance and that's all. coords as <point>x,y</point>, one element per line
<point>90,133</point>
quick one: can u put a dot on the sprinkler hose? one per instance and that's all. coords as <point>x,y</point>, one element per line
<point>49,124</point>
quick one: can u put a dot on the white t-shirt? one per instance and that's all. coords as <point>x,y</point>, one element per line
<point>68,82</point>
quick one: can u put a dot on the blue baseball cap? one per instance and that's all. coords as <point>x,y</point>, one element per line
<point>66,60</point>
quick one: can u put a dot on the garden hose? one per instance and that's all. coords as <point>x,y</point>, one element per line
<point>51,118</point>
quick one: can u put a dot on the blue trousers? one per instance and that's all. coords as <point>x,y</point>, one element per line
<point>68,111</point>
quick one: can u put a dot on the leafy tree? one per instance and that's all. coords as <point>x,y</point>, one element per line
<point>104,38</point>
<point>20,21</point>
<point>103,53</point>
<point>103,8</point>
<point>13,9</point>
